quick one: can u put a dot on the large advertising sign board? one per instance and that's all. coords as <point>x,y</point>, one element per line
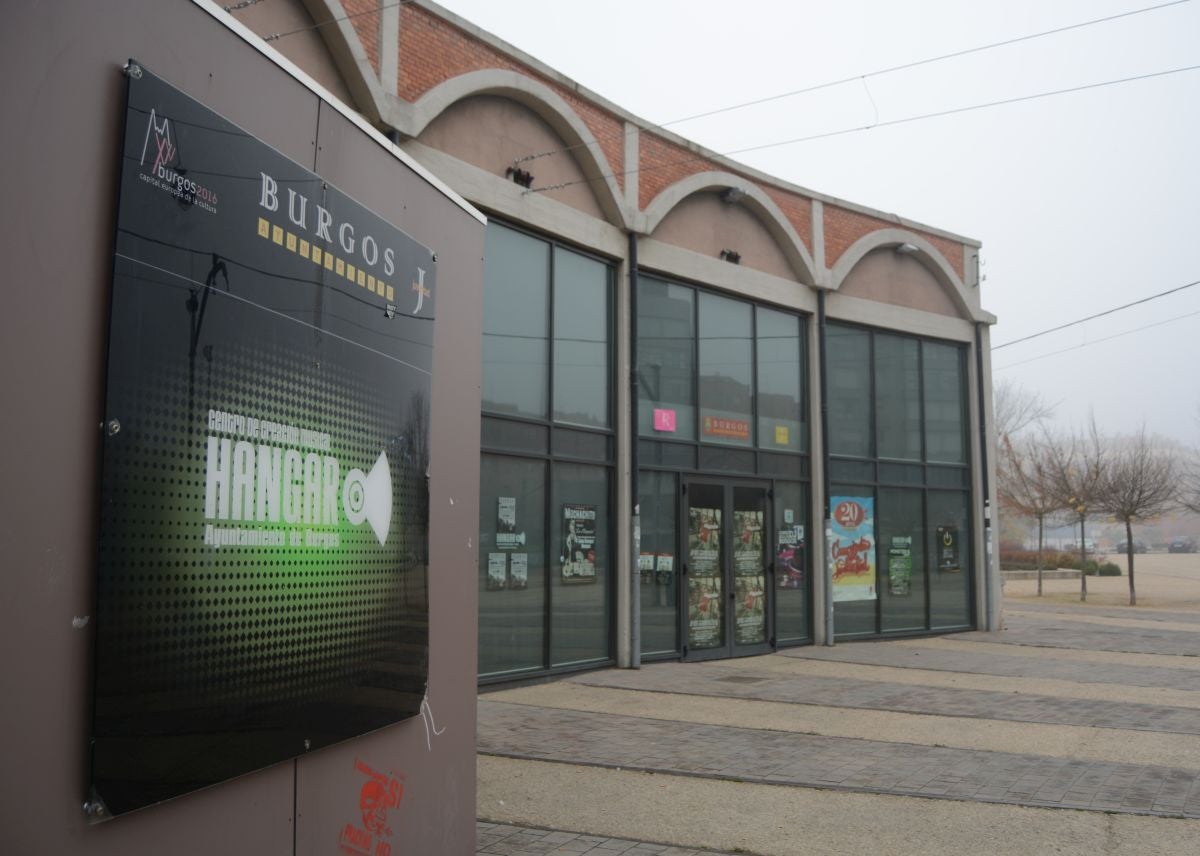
<point>263,543</point>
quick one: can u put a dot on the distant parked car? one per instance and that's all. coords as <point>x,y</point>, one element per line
<point>1138,547</point>
<point>1182,545</point>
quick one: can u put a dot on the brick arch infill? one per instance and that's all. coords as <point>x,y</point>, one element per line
<point>755,200</point>
<point>927,254</point>
<point>549,106</point>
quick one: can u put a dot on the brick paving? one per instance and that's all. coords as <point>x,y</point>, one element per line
<point>745,683</point>
<point>886,765</point>
<point>772,757</point>
<point>505,840</point>
<point>1050,632</point>
<point>999,662</point>
<point>1122,612</point>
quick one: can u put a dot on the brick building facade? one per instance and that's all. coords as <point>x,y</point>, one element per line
<point>881,404</point>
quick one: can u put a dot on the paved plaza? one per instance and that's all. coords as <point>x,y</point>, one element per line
<point>1074,730</point>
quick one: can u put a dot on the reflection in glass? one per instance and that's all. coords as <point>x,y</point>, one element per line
<point>666,360</point>
<point>950,560</point>
<point>581,352</point>
<point>792,563</point>
<point>781,420</point>
<point>901,559</point>
<point>945,416</point>
<point>512,564</point>
<point>659,566</point>
<point>579,598</point>
<point>726,370</point>
<point>898,397</point>
<point>848,353</point>
<point>516,304</point>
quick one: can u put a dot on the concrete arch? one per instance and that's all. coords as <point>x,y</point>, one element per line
<point>755,200</point>
<point>927,254</point>
<point>549,106</point>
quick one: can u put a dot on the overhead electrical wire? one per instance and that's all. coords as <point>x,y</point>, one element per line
<point>1097,341</point>
<point>891,122</point>
<point>920,62</point>
<point>829,84</point>
<point>1097,315</point>
<point>879,72</point>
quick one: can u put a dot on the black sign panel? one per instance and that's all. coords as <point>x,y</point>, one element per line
<point>947,549</point>
<point>263,518</point>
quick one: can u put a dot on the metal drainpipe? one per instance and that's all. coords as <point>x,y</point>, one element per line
<point>827,568</point>
<point>984,482</point>
<point>635,591</point>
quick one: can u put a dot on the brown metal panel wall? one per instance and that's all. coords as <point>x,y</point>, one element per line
<point>63,105</point>
<point>439,775</point>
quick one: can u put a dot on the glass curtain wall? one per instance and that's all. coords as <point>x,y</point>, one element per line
<point>726,370</point>
<point>720,391</point>
<point>545,523</point>
<point>900,494</point>
<point>658,494</point>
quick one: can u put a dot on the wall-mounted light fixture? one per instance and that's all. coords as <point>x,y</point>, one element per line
<point>907,249</point>
<point>519,176</point>
<point>731,256</point>
<point>733,195</point>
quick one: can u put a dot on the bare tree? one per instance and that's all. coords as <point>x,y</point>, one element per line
<point>1076,469</point>
<point>1015,408</point>
<point>1189,474</point>
<point>1024,486</point>
<point>1140,481</point>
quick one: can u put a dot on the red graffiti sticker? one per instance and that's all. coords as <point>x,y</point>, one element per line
<point>378,793</point>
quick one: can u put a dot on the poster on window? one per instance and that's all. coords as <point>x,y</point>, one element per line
<point>506,514</point>
<point>900,566</point>
<point>789,557</point>
<point>704,540</point>
<point>518,571</point>
<point>507,536</point>
<point>947,547</point>
<point>704,611</point>
<point>749,577</point>
<point>852,548</point>
<point>497,574</point>
<point>579,543</point>
<point>748,548</point>
<point>646,567</point>
<point>666,569</point>
<point>750,617</point>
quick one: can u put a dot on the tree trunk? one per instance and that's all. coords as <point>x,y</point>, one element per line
<point>1041,542</point>
<point>1082,562</point>
<point>1129,549</point>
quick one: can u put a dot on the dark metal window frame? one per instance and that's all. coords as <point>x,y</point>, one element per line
<point>553,459</point>
<point>926,485</point>
<point>763,472</point>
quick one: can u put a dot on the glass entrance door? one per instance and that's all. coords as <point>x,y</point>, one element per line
<point>726,570</point>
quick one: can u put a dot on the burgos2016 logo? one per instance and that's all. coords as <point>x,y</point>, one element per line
<point>166,171</point>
